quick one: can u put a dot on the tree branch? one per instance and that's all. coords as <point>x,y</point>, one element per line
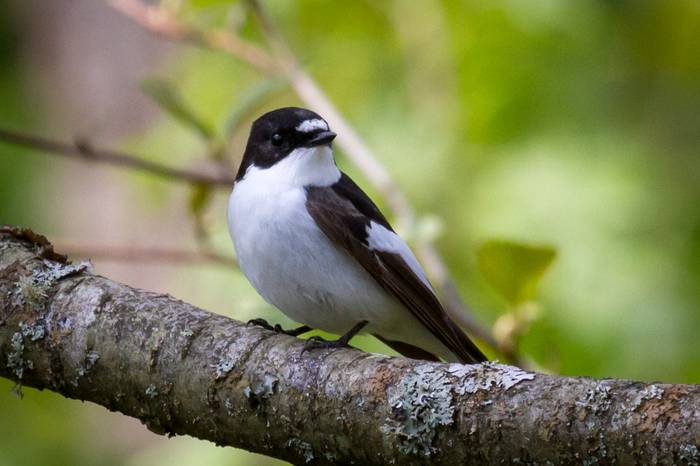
<point>142,254</point>
<point>158,21</point>
<point>182,370</point>
<point>83,150</point>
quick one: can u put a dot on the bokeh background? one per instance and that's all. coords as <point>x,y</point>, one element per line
<point>569,125</point>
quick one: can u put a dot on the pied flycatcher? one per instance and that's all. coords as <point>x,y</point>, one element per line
<point>315,246</point>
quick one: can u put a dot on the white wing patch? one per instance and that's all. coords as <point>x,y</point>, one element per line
<point>380,238</point>
<point>308,126</point>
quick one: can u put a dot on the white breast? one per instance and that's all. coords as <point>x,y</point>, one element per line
<point>287,258</point>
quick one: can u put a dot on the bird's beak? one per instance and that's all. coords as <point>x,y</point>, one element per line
<point>324,137</point>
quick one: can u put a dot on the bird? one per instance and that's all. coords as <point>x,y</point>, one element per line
<point>317,248</point>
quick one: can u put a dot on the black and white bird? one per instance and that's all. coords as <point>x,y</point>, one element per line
<point>315,246</point>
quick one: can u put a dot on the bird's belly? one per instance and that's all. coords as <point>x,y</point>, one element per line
<point>294,266</point>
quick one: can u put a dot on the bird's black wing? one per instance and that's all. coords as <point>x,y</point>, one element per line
<point>343,212</point>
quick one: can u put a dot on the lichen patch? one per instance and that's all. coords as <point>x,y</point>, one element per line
<point>32,290</point>
<point>650,392</point>
<point>35,331</point>
<point>15,357</point>
<point>151,391</point>
<point>261,389</point>
<point>689,454</point>
<point>597,398</point>
<point>302,447</point>
<point>222,368</point>
<point>420,403</point>
<point>486,376</point>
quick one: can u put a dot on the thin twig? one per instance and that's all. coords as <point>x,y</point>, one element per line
<point>142,254</point>
<point>159,21</point>
<point>84,151</point>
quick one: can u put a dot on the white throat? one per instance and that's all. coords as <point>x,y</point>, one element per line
<point>305,166</point>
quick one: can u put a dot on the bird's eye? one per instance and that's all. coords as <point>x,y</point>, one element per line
<point>276,139</point>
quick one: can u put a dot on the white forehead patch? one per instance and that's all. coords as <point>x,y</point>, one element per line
<point>308,126</point>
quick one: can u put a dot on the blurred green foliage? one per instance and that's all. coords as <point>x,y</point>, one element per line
<point>514,269</point>
<point>570,124</point>
<point>165,94</point>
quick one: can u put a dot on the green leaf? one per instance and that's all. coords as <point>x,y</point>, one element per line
<point>514,269</point>
<point>167,97</point>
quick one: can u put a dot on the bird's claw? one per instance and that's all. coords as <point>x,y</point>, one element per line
<point>294,332</point>
<point>259,322</point>
<point>316,342</point>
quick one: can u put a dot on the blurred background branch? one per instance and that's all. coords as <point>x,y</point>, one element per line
<point>84,150</point>
<point>158,20</point>
<point>141,254</point>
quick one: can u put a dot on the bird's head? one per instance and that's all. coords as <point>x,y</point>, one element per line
<point>284,133</point>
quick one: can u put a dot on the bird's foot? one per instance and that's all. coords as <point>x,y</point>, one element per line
<point>317,342</point>
<point>294,332</point>
<point>259,322</point>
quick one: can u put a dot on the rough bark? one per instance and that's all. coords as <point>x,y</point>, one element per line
<point>182,370</point>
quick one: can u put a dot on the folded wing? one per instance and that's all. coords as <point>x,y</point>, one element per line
<point>346,215</point>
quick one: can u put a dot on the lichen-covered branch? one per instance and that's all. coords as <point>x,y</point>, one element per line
<point>182,370</point>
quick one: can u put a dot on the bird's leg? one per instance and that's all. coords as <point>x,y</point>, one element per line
<point>295,332</point>
<point>317,342</point>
